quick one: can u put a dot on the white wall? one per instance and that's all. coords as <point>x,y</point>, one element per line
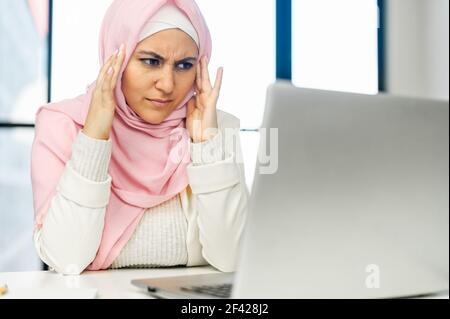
<point>417,58</point>
<point>437,56</point>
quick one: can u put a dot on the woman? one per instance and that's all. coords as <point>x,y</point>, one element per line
<point>120,180</point>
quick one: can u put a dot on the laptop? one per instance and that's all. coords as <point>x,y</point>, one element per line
<point>355,204</point>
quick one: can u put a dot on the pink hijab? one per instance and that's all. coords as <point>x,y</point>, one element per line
<point>142,174</point>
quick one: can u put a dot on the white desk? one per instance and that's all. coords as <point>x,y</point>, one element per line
<point>112,284</point>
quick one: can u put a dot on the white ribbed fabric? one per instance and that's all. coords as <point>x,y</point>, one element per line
<point>159,240</point>
<point>90,157</point>
<point>215,208</point>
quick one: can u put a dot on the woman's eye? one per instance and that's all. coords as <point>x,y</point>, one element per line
<point>146,61</point>
<point>154,62</point>
<point>188,66</point>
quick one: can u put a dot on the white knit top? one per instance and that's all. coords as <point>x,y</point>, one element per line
<point>160,238</point>
<point>201,225</point>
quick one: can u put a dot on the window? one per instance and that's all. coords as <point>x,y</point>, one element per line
<point>335,45</point>
<point>16,214</point>
<point>247,50</point>
<point>23,62</point>
<point>23,89</point>
<point>79,21</point>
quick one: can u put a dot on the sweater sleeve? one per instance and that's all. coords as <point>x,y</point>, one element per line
<point>71,229</point>
<point>217,180</point>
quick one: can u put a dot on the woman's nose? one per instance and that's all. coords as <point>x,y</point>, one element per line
<point>166,81</point>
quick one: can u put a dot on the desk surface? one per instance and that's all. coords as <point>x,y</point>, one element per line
<point>112,284</point>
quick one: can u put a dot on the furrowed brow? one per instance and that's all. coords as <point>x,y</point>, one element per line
<point>157,56</point>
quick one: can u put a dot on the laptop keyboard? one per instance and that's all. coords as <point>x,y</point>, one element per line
<point>220,291</point>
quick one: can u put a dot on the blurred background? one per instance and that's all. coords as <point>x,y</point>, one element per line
<point>49,52</point>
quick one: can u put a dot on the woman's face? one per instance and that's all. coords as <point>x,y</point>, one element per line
<point>163,67</point>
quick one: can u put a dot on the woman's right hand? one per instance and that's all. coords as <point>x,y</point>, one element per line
<point>103,104</point>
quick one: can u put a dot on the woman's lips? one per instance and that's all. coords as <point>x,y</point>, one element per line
<point>159,103</point>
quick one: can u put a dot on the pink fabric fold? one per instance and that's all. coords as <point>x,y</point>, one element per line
<point>149,162</point>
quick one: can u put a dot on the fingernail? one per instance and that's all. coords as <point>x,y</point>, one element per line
<point>110,70</point>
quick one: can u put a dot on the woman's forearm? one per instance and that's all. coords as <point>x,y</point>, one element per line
<point>71,233</point>
<point>70,236</point>
<point>221,196</point>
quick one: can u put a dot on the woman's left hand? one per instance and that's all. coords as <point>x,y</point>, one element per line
<point>201,119</point>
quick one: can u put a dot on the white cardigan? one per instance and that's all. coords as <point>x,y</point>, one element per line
<point>214,206</point>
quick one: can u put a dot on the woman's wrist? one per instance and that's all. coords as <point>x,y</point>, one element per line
<point>91,157</point>
<point>208,135</point>
<point>98,124</point>
<point>95,133</point>
<point>209,151</point>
